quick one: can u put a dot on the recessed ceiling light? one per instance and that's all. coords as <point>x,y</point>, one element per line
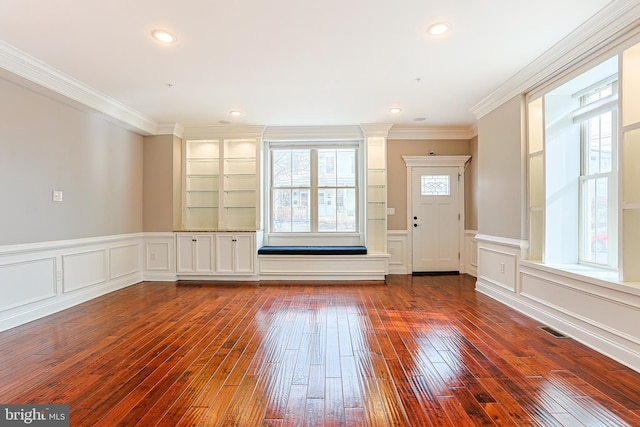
<point>163,36</point>
<point>235,113</point>
<point>395,110</point>
<point>439,28</point>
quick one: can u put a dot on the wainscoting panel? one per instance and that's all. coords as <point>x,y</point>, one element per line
<point>601,314</point>
<point>584,306</point>
<point>42,278</point>
<point>498,267</point>
<point>323,267</point>
<point>471,253</point>
<point>84,269</point>
<point>125,260</point>
<point>398,251</point>
<point>159,257</point>
<point>26,282</point>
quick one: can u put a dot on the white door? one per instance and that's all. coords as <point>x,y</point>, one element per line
<point>435,219</point>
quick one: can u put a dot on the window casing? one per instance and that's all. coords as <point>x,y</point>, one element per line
<point>573,170</point>
<point>314,190</point>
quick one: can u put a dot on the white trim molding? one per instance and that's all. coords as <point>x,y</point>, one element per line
<point>471,253</point>
<point>323,267</point>
<point>433,132</point>
<point>604,28</point>
<point>40,279</point>
<point>160,257</point>
<point>46,77</point>
<point>438,161</point>
<point>601,314</point>
<point>398,247</point>
<point>312,133</point>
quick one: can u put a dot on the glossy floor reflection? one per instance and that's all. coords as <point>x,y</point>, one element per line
<point>416,351</point>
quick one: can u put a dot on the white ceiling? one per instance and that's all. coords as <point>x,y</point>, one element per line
<point>293,62</point>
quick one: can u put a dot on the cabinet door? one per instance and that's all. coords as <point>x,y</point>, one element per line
<point>204,253</point>
<point>244,253</point>
<point>185,250</point>
<point>225,249</point>
<point>195,253</point>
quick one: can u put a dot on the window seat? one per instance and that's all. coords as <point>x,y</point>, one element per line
<point>312,250</point>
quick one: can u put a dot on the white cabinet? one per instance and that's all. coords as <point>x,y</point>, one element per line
<point>235,253</point>
<point>221,253</point>
<point>195,253</point>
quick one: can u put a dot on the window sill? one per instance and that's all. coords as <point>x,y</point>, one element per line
<point>585,273</point>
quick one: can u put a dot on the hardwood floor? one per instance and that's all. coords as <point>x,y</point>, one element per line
<point>419,351</point>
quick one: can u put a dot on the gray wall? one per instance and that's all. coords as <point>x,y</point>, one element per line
<point>501,177</point>
<point>45,146</point>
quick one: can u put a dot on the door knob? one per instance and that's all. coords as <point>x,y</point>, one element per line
<point>415,225</point>
<point>415,217</point>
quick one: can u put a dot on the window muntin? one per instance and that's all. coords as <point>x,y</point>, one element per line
<point>313,190</point>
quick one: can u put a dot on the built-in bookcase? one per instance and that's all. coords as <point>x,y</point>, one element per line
<point>222,184</point>
<point>202,183</point>
<point>376,195</point>
<point>630,156</point>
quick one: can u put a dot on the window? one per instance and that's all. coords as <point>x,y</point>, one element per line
<point>598,179</point>
<point>435,185</point>
<point>573,170</point>
<point>313,189</point>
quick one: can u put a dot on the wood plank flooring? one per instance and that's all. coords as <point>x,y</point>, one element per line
<point>416,351</point>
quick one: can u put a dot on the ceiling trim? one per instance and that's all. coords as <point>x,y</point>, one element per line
<point>312,133</point>
<point>605,27</point>
<point>379,130</point>
<point>433,132</point>
<point>223,131</point>
<point>26,66</point>
<point>170,129</point>
<point>419,161</point>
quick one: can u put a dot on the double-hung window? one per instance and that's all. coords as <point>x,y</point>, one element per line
<point>598,179</point>
<point>573,170</point>
<point>313,188</point>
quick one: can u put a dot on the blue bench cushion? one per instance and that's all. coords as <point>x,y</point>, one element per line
<point>312,250</point>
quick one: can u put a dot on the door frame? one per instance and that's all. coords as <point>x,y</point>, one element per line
<point>459,162</point>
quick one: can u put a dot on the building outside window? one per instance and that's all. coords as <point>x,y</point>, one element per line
<point>313,189</point>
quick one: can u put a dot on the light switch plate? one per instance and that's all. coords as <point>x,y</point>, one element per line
<point>57,196</point>
<point>391,211</point>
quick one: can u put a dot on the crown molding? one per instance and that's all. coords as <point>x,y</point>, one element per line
<point>420,161</point>
<point>380,130</point>
<point>433,132</point>
<point>222,131</point>
<point>175,129</point>
<point>312,133</point>
<point>48,78</point>
<point>604,28</point>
